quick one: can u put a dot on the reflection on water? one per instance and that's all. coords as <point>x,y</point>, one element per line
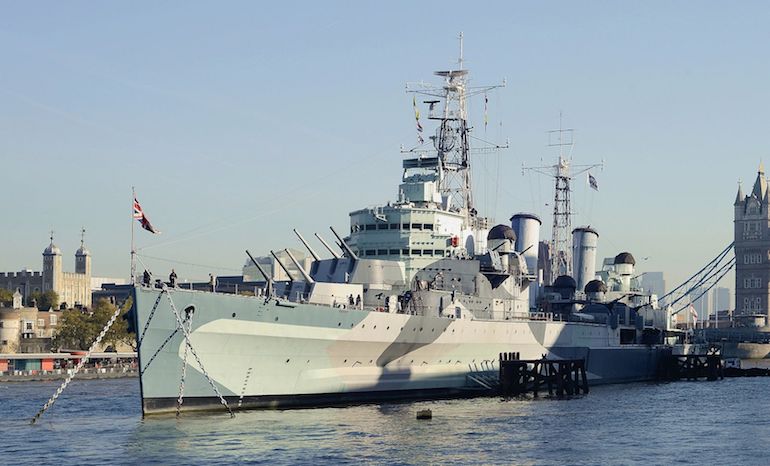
<point>98,422</point>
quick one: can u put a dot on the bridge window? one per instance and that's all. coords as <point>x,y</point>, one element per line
<point>382,226</point>
<point>404,252</point>
<point>393,252</point>
<point>405,226</point>
<point>382,252</point>
<point>438,252</point>
<point>371,252</point>
<point>370,227</point>
<point>417,226</point>
<point>427,226</point>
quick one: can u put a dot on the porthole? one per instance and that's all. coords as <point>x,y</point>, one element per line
<point>374,327</point>
<point>287,361</point>
<point>339,324</point>
<point>233,314</point>
<point>363,325</point>
<point>276,319</point>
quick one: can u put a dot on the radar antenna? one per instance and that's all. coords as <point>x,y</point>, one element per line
<point>562,172</point>
<point>451,140</point>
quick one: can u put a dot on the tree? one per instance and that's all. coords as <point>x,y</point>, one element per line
<point>45,300</point>
<point>6,297</point>
<point>78,329</point>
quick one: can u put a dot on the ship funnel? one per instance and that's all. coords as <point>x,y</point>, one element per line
<point>584,242</point>
<point>527,229</point>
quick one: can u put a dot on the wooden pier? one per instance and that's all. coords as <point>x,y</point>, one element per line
<point>560,376</point>
<point>692,366</point>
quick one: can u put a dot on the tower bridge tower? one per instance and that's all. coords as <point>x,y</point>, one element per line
<point>752,250</point>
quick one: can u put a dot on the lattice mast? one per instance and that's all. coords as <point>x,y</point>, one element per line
<point>561,229</point>
<point>447,106</point>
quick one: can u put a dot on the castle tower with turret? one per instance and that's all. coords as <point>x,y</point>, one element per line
<point>83,256</point>
<point>52,268</point>
<point>752,250</point>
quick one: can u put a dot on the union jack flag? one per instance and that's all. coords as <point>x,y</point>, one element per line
<point>139,215</point>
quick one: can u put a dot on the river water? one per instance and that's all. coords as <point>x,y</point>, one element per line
<point>99,421</point>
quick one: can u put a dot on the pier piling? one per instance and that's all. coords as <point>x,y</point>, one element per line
<point>561,377</point>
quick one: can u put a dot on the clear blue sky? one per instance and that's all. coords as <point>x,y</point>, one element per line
<point>237,121</point>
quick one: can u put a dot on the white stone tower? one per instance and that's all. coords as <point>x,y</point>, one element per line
<point>83,256</point>
<point>53,274</point>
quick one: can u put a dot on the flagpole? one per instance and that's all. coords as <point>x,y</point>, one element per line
<point>133,249</point>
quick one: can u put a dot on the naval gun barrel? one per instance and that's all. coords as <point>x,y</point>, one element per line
<point>326,245</point>
<point>344,245</point>
<point>282,266</point>
<point>268,279</point>
<point>305,275</point>
<point>307,246</point>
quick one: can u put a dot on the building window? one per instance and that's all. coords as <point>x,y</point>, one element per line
<point>54,319</point>
<point>28,325</point>
<point>40,323</point>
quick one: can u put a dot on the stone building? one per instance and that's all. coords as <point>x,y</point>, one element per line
<point>752,252</point>
<point>25,329</point>
<point>73,288</point>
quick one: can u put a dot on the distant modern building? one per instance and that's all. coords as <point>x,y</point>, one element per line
<point>701,302</point>
<point>72,288</point>
<point>720,299</point>
<point>653,282</point>
<point>752,252</point>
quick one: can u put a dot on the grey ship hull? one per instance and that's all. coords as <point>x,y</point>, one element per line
<point>282,355</point>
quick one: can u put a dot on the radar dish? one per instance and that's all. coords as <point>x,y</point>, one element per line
<point>445,138</point>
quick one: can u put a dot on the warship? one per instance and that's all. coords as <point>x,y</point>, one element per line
<point>417,300</point>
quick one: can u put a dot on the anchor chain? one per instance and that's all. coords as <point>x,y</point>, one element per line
<point>80,365</point>
<point>149,318</point>
<point>180,400</point>
<point>180,324</point>
<point>157,352</point>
